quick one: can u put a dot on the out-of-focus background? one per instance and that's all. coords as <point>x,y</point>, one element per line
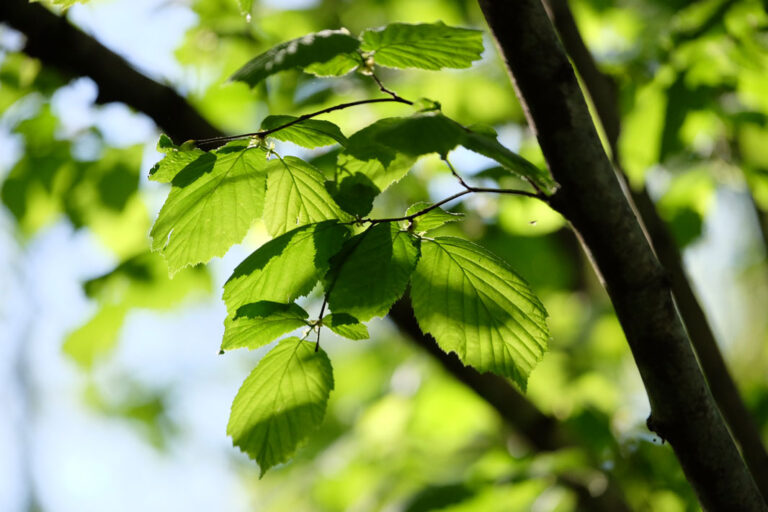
<point>113,396</point>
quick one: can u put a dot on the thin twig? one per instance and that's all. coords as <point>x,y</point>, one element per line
<point>456,174</point>
<point>392,93</point>
<point>319,324</point>
<point>264,133</point>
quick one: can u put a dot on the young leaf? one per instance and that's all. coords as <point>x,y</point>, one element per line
<point>296,196</point>
<point>281,402</point>
<point>425,46</point>
<point>371,271</point>
<point>475,305</point>
<point>346,325</point>
<point>211,205</point>
<point>176,159</point>
<point>311,133</point>
<point>285,268</point>
<point>337,66</point>
<point>259,323</point>
<point>365,155</point>
<point>298,53</point>
<point>431,220</point>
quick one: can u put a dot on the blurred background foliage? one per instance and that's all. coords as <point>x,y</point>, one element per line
<point>400,432</point>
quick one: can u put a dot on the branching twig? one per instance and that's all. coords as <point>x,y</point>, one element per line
<point>392,93</point>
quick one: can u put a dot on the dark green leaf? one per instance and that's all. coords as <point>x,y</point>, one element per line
<point>311,133</point>
<point>281,402</point>
<point>314,48</point>
<point>425,46</point>
<point>371,271</point>
<point>354,194</point>
<point>258,324</point>
<point>475,305</point>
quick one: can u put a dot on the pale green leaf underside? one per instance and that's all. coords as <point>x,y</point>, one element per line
<point>425,46</point>
<point>285,268</point>
<point>297,53</point>
<point>372,271</point>
<point>258,324</point>
<point>296,196</point>
<point>433,219</point>
<point>311,133</point>
<point>281,402</point>
<point>347,326</point>
<point>476,306</point>
<point>211,206</point>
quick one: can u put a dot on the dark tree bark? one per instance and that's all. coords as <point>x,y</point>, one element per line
<point>590,197</point>
<point>603,93</point>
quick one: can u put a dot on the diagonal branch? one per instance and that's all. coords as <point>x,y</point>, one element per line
<point>591,198</point>
<point>603,93</point>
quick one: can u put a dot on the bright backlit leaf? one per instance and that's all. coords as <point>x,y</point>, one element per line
<point>296,196</point>
<point>425,46</point>
<point>433,219</point>
<point>211,206</point>
<point>311,133</point>
<point>476,306</point>
<point>176,159</point>
<point>314,48</point>
<point>281,402</point>
<point>285,268</point>
<point>258,324</point>
<point>337,66</point>
<point>371,271</point>
<point>347,326</point>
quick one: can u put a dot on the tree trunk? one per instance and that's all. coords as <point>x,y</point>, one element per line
<point>590,197</point>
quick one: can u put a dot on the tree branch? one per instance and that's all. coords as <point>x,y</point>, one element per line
<point>682,409</point>
<point>603,93</point>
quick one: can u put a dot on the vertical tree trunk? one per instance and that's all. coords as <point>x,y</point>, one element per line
<point>590,197</point>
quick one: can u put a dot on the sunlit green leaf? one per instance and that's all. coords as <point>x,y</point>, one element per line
<point>475,305</point>
<point>176,159</point>
<point>426,46</point>
<point>258,324</point>
<point>337,66</point>
<point>346,325</point>
<point>311,133</point>
<point>433,219</point>
<point>296,196</point>
<point>281,402</point>
<point>314,48</point>
<point>211,206</point>
<point>285,268</point>
<point>371,271</point>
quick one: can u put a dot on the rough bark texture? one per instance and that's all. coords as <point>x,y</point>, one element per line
<point>603,93</point>
<point>74,52</point>
<point>53,39</point>
<point>682,410</point>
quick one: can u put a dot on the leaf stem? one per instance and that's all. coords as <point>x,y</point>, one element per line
<point>217,141</point>
<point>392,93</point>
<point>319,323</point>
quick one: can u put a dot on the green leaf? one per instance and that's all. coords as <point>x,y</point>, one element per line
<point>425,46</point>
<point>337,66</point>
<point>211,205</point>
<point>346,325</point>
<point>354,194</point>
<point>258,324</point>
<point>97,337</point>
<point>314,48</point>
<point>371,271</point>
<point>285,268</point>
<point>431,220</point>
<point>475,305</point>
<point>311,133</point>
<point>365,155</point>
<point>176,159</point>
<point>432,132</point>
<point>281,402</point>
<point>296,196</point>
